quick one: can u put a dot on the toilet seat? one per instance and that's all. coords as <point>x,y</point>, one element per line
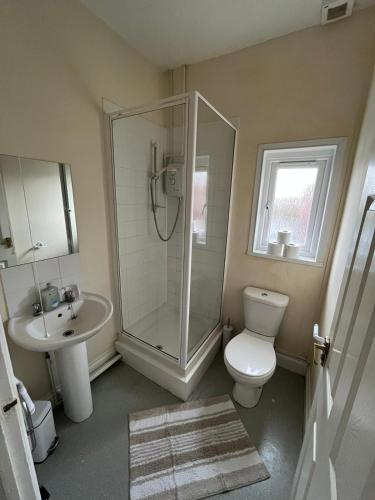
<point>250,357</point>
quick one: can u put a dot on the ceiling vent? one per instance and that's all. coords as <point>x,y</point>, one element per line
<point>334,10</point>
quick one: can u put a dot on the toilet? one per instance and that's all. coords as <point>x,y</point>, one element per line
<point>250,356</point>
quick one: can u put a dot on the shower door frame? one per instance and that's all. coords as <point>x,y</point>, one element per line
<point>195,96</point>
<point>190,101</point>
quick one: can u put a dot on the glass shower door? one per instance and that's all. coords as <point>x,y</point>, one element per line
<point>212,178</point>
<point>149,170</point>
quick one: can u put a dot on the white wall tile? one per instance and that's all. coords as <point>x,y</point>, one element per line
<point>19,302</point>
<point>73,280</point>
<point>143,258</point>
<point>53,281</point>
<point>70,265</point>
<point>47,270</point>
<point>21,283</point>
<point>18,277</point>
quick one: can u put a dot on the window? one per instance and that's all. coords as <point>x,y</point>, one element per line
<point>295,191</point>
<point>200,197</point>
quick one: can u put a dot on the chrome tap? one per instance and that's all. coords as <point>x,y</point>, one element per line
<point>37,308</point>
<point>72,313</point>
<point>69,296</point>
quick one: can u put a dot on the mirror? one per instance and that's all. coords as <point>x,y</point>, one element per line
<point>37,218</point>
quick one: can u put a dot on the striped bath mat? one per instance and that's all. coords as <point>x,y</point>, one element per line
<point>190,451</point>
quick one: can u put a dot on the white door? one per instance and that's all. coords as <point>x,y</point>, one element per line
<point>18,480</point>
<point>337,460</point>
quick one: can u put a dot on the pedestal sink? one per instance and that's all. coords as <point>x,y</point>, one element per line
<point>65,330</point>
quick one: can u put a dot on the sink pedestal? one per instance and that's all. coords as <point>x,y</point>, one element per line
<point>73,369</point>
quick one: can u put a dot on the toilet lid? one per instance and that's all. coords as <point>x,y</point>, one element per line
<point>250,356</point>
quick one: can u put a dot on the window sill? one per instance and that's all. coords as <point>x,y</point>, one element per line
<point>306,261</point>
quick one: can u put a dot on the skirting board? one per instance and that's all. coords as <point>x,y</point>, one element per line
<point>291,363</point>
<point>168,377</point>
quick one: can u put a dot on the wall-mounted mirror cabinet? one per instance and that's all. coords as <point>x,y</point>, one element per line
<point>37,218</point>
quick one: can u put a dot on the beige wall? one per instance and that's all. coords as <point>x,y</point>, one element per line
<point>57,61</point>
<point>307,85</point>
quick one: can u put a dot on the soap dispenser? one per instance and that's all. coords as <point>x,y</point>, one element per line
<point>50,297</point>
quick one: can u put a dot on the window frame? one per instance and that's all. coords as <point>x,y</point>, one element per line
<point>328,155</point>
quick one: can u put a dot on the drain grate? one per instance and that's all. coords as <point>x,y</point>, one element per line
<point>68,333</point>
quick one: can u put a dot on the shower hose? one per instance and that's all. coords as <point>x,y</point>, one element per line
<point>167,238</point>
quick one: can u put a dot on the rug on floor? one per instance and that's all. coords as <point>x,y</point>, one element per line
<point>190,451</point>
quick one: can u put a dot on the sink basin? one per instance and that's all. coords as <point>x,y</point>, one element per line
<point>65,326</point>
<point>65,331</point>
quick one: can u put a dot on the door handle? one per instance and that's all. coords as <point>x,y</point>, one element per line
<point>10,405</point>
<point>325,350</point>
<point>322,344</point>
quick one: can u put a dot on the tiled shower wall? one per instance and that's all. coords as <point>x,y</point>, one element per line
<point>207,260</point>
<point>175,252</point>
<point>207,270</point>
<point>175,244</point>
<point>143,257</point>
<point>151,270</point>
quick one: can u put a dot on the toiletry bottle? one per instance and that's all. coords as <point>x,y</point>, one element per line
<point>50,297</point>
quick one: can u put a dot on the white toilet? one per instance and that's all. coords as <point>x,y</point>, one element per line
<point>250,356</point>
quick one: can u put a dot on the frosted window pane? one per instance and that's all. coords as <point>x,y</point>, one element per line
<point>291,210</point>
<point>200,206</point>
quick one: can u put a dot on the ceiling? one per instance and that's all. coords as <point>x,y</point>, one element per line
<point>174,32</point>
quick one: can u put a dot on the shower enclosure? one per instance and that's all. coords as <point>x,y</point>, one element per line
<point>172,169</point>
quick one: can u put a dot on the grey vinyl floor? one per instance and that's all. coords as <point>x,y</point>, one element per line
<point>91,461</point>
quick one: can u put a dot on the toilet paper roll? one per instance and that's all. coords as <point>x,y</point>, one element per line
<point>284,236</point>
<point>275,248</point>
<point>291,251</point>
